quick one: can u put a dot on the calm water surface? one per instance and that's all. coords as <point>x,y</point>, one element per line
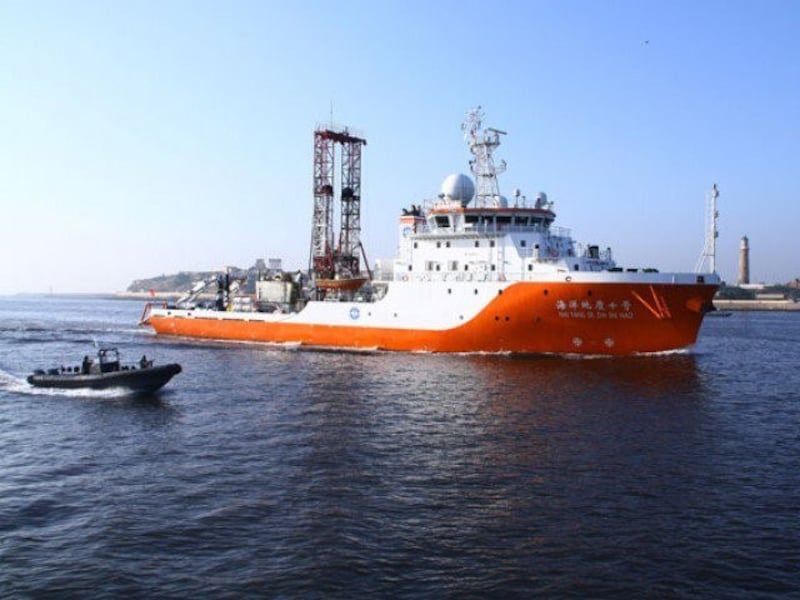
<point>263,472</point>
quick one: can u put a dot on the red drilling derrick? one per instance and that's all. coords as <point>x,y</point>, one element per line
<point>329,259</point>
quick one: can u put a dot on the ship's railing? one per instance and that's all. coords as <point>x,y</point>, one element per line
<point>483,229</point>
<point>508,275</point>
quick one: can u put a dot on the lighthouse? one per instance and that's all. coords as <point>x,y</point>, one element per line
<point>744,262</point>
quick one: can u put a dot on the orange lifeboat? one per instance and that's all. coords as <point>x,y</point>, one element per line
<point>347,284</point>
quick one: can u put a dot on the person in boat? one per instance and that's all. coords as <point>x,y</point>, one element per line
<point>86,365</point>
<point>144,363</point>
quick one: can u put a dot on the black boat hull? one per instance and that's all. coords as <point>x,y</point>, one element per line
<point>136,380</point>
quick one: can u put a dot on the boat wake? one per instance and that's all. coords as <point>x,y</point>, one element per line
<point>18,385</point>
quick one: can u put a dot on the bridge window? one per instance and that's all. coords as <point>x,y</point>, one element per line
<point>443,221</point>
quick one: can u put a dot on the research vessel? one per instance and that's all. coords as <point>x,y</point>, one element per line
<point>475,271</point>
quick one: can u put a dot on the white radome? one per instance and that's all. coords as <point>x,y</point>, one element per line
<point>459,188</point>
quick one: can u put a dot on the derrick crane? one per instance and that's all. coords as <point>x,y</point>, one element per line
<point>330,259</point>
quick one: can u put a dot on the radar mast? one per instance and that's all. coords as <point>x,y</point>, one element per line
<point>712,233</point>
<point>482,143</point>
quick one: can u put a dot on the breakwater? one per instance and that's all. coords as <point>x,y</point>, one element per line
<point>779,305</point>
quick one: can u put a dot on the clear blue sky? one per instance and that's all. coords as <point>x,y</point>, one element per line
<point>147,137</point>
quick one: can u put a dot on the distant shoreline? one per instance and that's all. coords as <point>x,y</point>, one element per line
<point>751,305</point>
<point>156,296</point>
<point>99,295</point>
<point>735,305</point>
<point>720,304</point>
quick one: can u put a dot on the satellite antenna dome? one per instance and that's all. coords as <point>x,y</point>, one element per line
<point>502,201</point>
<point>458,188</point>
<point>541,200</point>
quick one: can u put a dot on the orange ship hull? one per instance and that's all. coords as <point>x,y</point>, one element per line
<point>553,317</point>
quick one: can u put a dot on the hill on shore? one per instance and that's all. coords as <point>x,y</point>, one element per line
<point>179,282</point>
<point>183,281</point>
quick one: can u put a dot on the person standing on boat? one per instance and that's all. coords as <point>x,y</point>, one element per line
<point>86,365</point>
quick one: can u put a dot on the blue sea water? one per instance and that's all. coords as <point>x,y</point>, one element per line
<point>265,472</point>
